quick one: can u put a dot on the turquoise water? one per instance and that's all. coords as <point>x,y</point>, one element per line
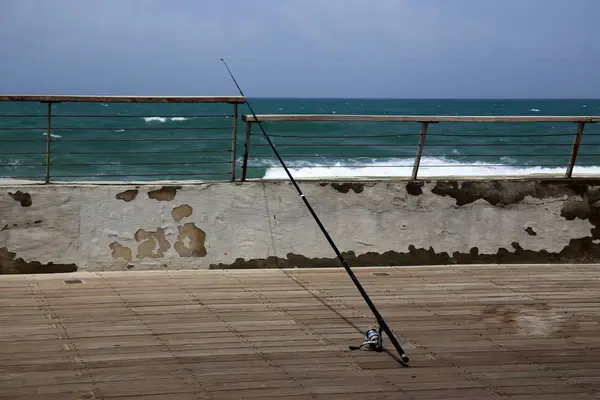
<point>116,141</point>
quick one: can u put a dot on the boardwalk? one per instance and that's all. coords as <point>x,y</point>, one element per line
<point>475,332</point>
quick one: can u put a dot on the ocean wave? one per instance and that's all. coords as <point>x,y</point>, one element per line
<point>155,119</point>
<point>164,119</point>
<point>507,159</point>
<point>51,135</point>
<point>535,110</point>
<point>402,168</point>
<point>10,163</point>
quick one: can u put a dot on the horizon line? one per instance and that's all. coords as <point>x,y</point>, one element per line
<point>423,98</point>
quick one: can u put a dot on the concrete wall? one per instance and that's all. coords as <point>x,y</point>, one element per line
<point>265,224</point>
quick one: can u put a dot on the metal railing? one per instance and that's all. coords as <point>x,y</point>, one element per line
<point>138,138</point>
<point>98,138</point>
<point>495,144</point>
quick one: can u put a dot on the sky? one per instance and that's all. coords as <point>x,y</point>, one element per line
<point>303,48</point>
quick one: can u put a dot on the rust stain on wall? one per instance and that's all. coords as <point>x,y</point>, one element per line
<point>165,193</point>
<point>346,187</point>
<point>415,188</point>
<point>120,251</point>
<point>10,264</point>
<point>190,241</point>
<point>240,263</point>
<point>586,208</point>
<point>574,208</point>
<point>582,251</point>
<point>22,197</point>
<point>500,192</point>
<point>151,244</point>
<point>180,212</point>
<point>128,195</point>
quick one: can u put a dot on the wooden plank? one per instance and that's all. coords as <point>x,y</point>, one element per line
<point>391,395</point>
<point>452,393</point>
<point>292,393</point>
<point>48,390</point>
<point>578,396</point>
<point>34,378</point>
<point>167,396</point>
<point>559,388</point>
<point>83,395</point>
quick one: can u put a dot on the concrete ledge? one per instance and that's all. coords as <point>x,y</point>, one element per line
<point>264,224</point>
<point>529,177</point>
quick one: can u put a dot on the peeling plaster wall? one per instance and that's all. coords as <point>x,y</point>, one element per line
<point>265,224</point>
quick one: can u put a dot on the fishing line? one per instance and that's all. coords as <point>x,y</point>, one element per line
<point>372,336</point>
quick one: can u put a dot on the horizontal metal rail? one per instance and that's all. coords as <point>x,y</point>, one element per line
<point>414,118</point>
<point>334,149</point>
<point>159,139</point>
<point>116,116</point>
<point>122,99</point>
<point>58,141</point>
<point>214,128</point>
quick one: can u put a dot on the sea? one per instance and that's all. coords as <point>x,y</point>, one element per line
<point>160,141</point>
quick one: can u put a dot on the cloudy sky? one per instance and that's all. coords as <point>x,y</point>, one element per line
<point>303,48</point>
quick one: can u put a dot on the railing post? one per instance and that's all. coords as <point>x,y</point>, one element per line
<point>419,150</point>
<point>234,141</point>
<point>48,141</point>
<point>575,150</point>
<point>246,149</point>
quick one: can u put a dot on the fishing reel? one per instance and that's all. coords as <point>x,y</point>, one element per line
<point>373,339</point>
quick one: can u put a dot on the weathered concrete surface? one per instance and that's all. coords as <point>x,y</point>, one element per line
<point>265,224</point>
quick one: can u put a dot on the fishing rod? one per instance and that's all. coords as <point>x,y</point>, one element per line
<point>372,336</point>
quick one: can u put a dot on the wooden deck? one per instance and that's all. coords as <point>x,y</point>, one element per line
<point>518,332</point>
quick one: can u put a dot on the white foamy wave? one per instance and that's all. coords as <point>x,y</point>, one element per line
<point>402,168</point>
<point>535,110</point>
<point>51,135</point>
<point>120,130</point>
<point>164,119</point>
<point>155,119</point>
<point>10,163</point>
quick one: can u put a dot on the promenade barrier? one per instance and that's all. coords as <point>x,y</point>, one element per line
<point>411,137</point>
<point>109,146</point>
<point>204,207</point>
<point>45,139</point>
